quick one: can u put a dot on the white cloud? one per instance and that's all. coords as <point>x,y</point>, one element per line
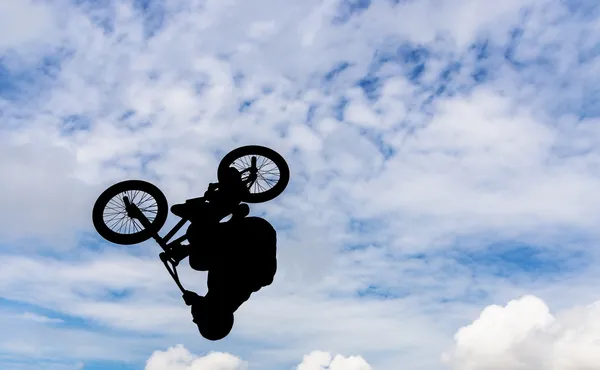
<point>524,335</point>
<point>179,358</point>
<point>498,171</point>
<point>319,360</point>
<point>23,22</point>
<point>39,192</point>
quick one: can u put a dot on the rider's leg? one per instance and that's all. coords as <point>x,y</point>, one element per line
<point>199,250</point>
<point>203,241</point>
<point>196,234</point>
<point>211,245</point>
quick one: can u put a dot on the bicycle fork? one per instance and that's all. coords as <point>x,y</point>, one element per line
<point>134,212</point>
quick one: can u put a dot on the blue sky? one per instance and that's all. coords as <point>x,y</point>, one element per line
<point>444,160</point>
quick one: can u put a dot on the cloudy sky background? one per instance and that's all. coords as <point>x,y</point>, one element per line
<point>443,206</point>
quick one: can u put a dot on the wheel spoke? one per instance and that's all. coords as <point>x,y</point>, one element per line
<point>271,170</point>
<point>131,196</point>
<point>113,208</point>
<point>258,187</point>
<point>127,226</point>
<point>265,159</point>
<point>115,222</point>
<point>266,180</point>
<point>260,177</point>
<point>238,167</point>
<point>115,216</point>
<point>274,170</point>
<point>270,180</point>
<point>113,212</point>
<point>244,163</point>
<point>114,202</point>
<point>135,195</point>
<point>146,200</point>
<point>143,198</point>
<point>108,212</point>
<point>122,224</point>
<point>149,206</point>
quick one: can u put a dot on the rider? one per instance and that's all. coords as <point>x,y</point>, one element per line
<point>235,268</point>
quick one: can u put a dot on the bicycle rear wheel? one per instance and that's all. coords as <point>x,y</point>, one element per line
<point>110,218</point>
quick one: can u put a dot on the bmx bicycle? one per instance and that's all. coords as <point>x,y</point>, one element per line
<point>133,211</point>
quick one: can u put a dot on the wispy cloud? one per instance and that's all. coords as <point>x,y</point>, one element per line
<point>40,318</point>
<point>443,154</point>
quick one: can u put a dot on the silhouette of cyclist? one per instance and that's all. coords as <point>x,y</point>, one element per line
<point>239,255</point>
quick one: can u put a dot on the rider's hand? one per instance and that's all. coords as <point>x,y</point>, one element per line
<point>190,297</point>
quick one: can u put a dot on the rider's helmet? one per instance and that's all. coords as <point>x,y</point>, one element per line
<point>214,324</point>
